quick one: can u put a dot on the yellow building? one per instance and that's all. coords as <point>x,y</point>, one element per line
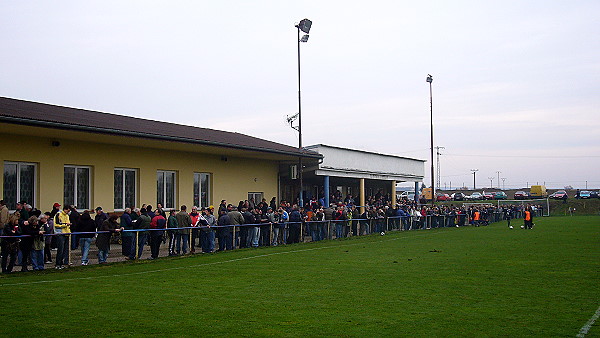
<point>85,158</point>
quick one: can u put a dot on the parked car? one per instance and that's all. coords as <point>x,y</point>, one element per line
<point>442,197</point>
<point>521,195</point>
<point>500,195</point>
<point>585,194</point>
<point>488,195</point>
<point>595,194</point>
<point>559,195</point>
<point>475,196</point>
<point>458,196</point>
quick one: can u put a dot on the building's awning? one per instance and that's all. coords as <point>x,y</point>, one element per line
<point>349,163</point>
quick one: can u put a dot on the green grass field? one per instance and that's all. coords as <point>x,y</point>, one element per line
<point>487,281</point>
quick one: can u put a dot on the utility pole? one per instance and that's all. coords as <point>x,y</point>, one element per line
<point>474,171</point>
<point>498,172</point>
<point>437,149</point>
<point>503,186</point>
<point>491,179</point>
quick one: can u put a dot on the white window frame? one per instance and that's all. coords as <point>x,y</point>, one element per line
<point>253,194</point>
<point>35,179</point>
<point>89,193</point>
<point>199,192</point>
<point>135,190</point>
<point>164,192</point>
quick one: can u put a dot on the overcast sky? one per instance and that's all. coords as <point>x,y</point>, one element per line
<point>516,84</point>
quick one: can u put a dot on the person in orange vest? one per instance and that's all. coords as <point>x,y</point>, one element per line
<point>476,217</point>
<point>528,218</point>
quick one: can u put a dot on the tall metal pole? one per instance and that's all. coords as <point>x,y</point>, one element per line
<point>474,171</point>
<point>437,152</point>
<point>430,80</point>
<point>498,172</point>
<point>300,171</point>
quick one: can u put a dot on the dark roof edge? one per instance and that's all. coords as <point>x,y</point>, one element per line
<point>363,151</point>
<point>57,125</point>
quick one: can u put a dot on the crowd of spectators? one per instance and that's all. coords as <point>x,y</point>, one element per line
<point>29,236</point>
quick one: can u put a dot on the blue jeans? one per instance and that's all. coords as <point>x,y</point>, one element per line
<point>315,233</point>
<point>141,242</point>
<point>37,259</point>
<point>62,250</point>
<point>102,256</point>
<point>185,238</point>
<point>85,243</point>
<point>74,242</point>
<point>253,237</point>
<point>275,234</point>
<point>322,228</point>
<point>339,229</point>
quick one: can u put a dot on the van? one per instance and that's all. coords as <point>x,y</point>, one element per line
<point>427,194</point>
<point>538,191</point>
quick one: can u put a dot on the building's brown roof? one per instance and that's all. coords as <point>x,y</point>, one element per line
<point>47,115</point>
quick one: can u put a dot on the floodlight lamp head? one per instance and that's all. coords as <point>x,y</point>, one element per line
<point>304,25</point>
<point>304,38</point>
<point>291,119</point>
<point>429,78</point>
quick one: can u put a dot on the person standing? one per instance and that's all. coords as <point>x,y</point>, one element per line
<point>3,215</point>
<point>100,217</point>
<point>528,218</point>
<point>156,234</point>
<point>195,217</point>
<point>127,237</point>
<point>184,221</point>
<point>294,226</point>
<point>10,243</point>
<point>173,234</point>
<point>62,226</point>
<point>37,252</point>
<point>235,219</point>
<point>48,239</point>
<point>141,223</point>
<point>207,234</point>
<point>508,216</point>
<point>27,230</point>
<point>225,232</point>
<point>87,225</point>
<point>108,227</point>
<point>73,219</point>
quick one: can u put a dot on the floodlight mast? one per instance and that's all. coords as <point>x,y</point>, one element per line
<point>304,26</point>
<point>430,80</point>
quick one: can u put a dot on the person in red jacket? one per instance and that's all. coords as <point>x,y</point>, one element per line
<point>158,222</point>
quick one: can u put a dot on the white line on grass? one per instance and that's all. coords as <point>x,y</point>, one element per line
<point>214,263</point>
<point>586,328</point>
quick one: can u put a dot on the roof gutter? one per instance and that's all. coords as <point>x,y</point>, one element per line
<point>57,125</point>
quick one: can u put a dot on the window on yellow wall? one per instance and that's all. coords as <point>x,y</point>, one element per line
<point>125,188</point>
<point>165,188</point>
<point>255,197</point>
<point>77,186</point>
<point>202,189</point>
<point>19,183</point>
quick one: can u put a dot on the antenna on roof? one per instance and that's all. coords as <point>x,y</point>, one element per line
<point>291,120</point>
